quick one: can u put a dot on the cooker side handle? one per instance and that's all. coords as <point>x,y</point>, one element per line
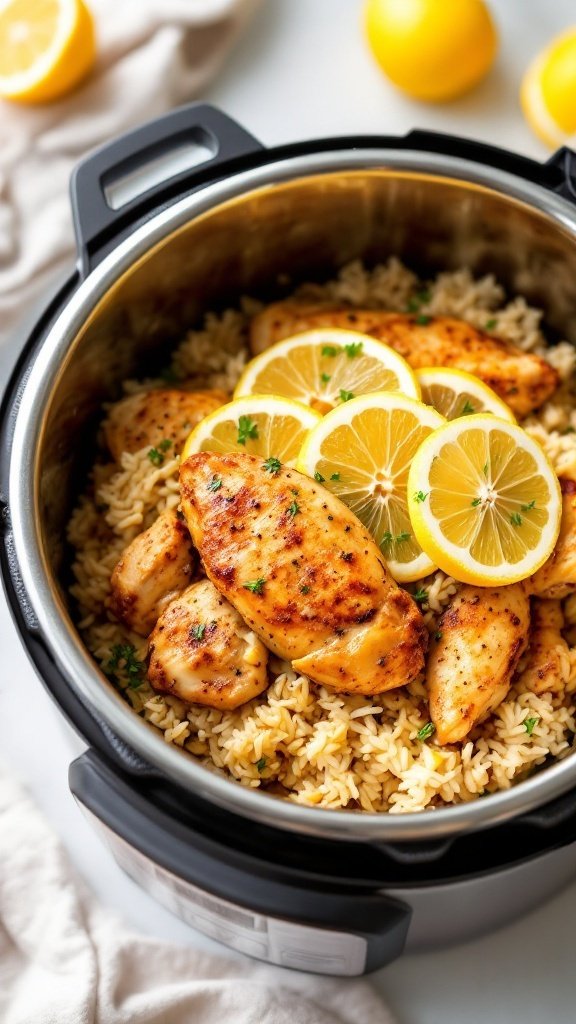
<point>124,182</point>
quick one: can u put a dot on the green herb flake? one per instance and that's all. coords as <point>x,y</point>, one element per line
<point>197,632</point>
<point>467,408</point>
<point>402,537</point>
<point>294,509</point>
<point>272,466</point>
<point>353,349</point>
<point>325,377</point>
<point>420,595</point>
<point>215,483</point>
<point>422,319</point>
<point>387,538</point>
<point>530,723</point>
<point>438,635</point>
<point>165,444</point>
<point>475,502</point>
<point>529,506</point>
<point>330,350</point>
<point>255,586</point>
<point>413,305</point>
<point>490,324</point>
<point>485,469</point>
<point>319,478</point>
<point>247,429</point>
<point>345,396</point>
<point>516,519</point>
<point>426,731</point>
<point>420,496</point>
<point>123,657</point>
<point>261,764</point>
<point>305,589</point>
<point>569,430</point>
<point>156,457</point>
<point>335,476</point>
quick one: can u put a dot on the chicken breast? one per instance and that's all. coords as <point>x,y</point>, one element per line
<point>153,569</point>
<point>548,651</point>
<point>557,577</point>
<point>202,652</point>
<point>481,636</point>
<point>152,417</point>
<point>522,379</point>
<point>302,572</point>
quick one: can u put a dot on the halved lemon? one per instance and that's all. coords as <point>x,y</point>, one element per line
<point>325,367</point>
<point>266,425</point>
<point>455,393</point>
<point>484,501</point>
<point>362,452</point>
<point>46,47</point>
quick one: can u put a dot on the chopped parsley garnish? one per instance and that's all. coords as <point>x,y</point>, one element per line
<point>261,764</point>
<point>335,476</point>
<point>215,483</point>
<point>256,586</point>
<point>426,731</point>
<point>401,537</point>
<point>247,428</point>
<point>569,430</point>
<point>294,509</point>
<point>490,324</point>
<point>529,506</point>
<point>345,396</point>
<point>197,632</point>
<point>475,502</point>
<point>165,444</point>
<point>420,595</point>
<point>319,478</point>
<point>272,466</point>
<point>420,496</point>
<point>438,635</point>
<point>353,349</point>
<point>330,350</point>
<point>389,538</point>
<point>156,457</point>
<point>305,589</point>
<point>423,295</point>
<point>485,469</point>
<point>516,519</point>
<point>413,305</point>
<point>422,319</point>
<point>467,408</point>
<point>530,723</point>
<point>325,377</point>
<point>133,668</point>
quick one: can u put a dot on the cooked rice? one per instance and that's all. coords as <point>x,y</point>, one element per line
<point>311,745</point>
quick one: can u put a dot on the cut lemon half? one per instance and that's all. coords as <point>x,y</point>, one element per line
<point>484,501</point>
<point>455,393</point>
<point>46,47</point>
<point>266,425</point>
<point>362,452</point>
<point>324,368</point>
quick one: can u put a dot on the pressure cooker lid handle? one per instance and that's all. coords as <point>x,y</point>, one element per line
<point>133,176</point>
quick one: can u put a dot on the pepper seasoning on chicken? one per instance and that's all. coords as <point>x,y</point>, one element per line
<point>149,418</point>
<point>302,572</point>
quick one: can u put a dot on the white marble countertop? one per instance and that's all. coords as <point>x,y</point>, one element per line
<point>303,70</point>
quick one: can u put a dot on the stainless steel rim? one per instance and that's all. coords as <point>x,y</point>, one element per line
<point>70,655</point>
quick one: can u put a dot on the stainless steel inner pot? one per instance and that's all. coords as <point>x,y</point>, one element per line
<point>302,216</point>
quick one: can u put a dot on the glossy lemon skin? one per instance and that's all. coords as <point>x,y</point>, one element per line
<point>434,50</point>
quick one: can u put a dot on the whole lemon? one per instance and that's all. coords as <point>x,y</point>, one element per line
<point>548,91</point>
<point>433,50</point>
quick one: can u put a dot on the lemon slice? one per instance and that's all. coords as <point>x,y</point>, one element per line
<point>492,505</point>
<point>362,452</point>
<point>455,393</point>
<point>265,425</point>
<point>326,367</point>
<point>46,47</point>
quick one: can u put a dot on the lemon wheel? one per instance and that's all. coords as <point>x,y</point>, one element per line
<point>264,425</point>
<point>491,503</point>
<point>362,452</point>
<point>325,367</point>
<point>455,393</point>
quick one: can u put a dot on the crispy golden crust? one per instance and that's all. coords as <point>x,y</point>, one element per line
<point>522,379</point>
<point>481,637</point>
<point>150,417</point>
<point>544,672</point>
<point>557,577</point>
<point>321,594</point>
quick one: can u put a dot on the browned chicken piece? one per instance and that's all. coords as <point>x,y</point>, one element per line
<point>522,379</point>
<point>545,670</point>
<point>482,634</point>
<point>151,417</point>
<point>557,577</point>
<point>303,573</point>
<point>202,652</point>
<point>153,569</point>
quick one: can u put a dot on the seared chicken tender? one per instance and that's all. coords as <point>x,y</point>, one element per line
<point>481,636</point>
<point>557,577</point>
<point>545,671</point>
<point>303,572</point>
<point>202,652</point>
<point>151,417</point>
<point>153,569</point>
<point>522,379</point>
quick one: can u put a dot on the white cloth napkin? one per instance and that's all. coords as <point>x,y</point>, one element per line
<point>65,960</point>
<point>152,55</point>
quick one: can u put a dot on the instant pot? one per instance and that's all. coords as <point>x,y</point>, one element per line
<point>162,238</point>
